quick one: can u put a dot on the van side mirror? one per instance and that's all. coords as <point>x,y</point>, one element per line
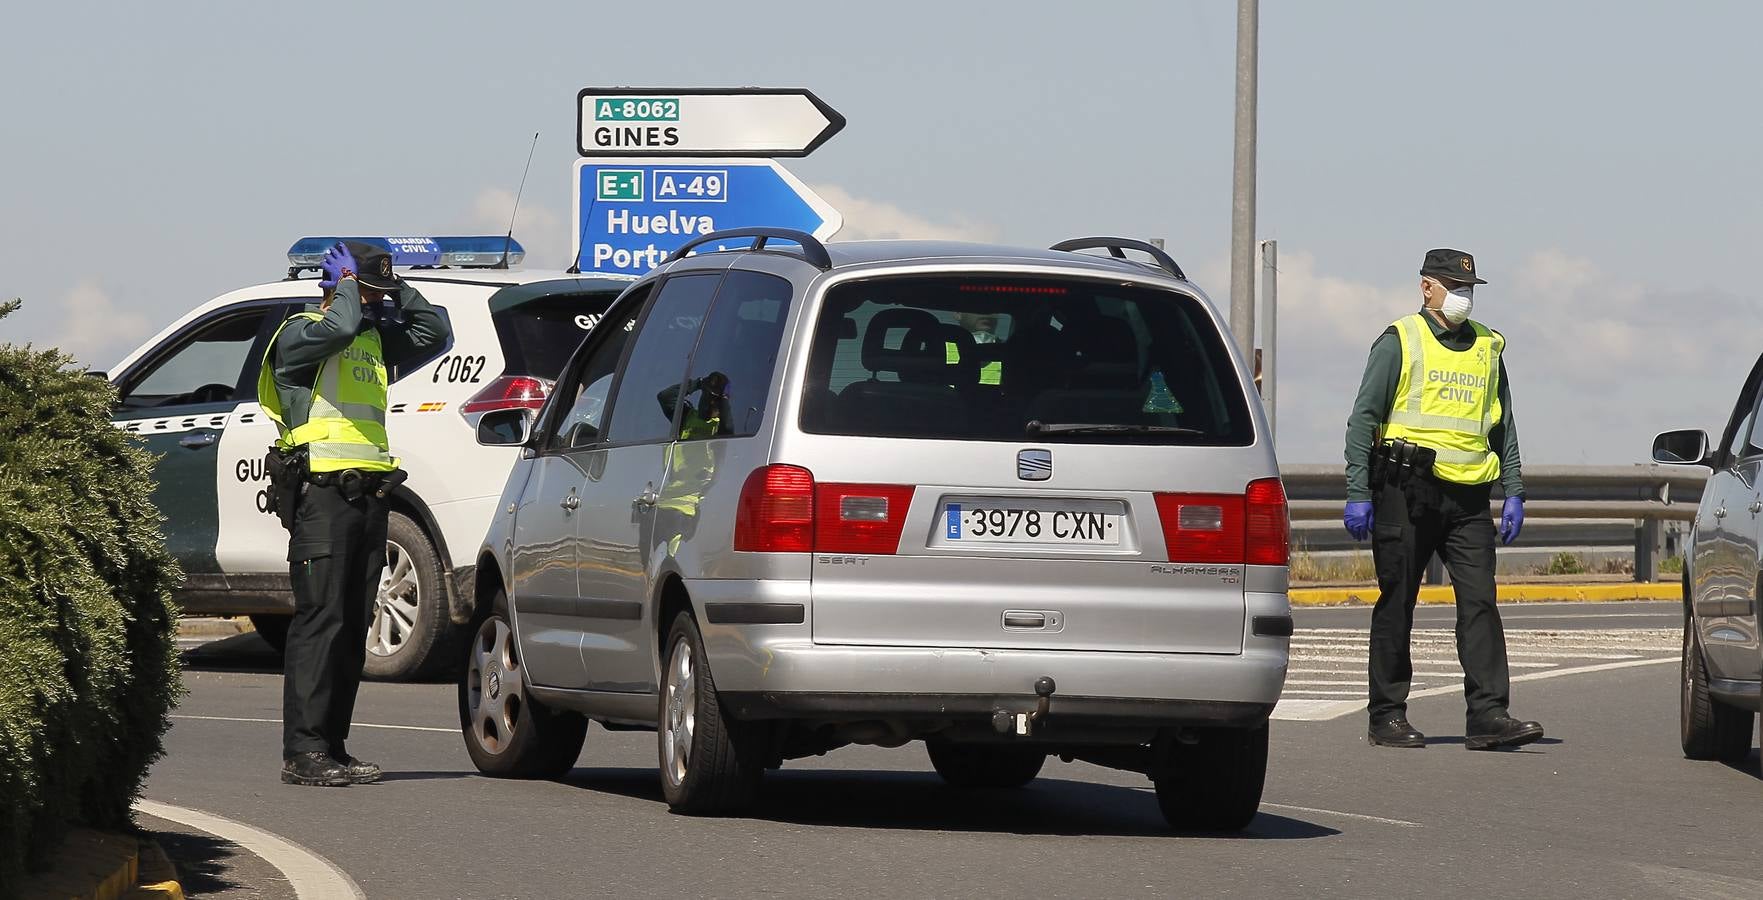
<point>1688,447</point>
<point>505,427</point>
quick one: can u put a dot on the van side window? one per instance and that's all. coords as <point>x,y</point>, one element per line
<point>733,367</point>
<point>649,387</point>
<point>591,382</point>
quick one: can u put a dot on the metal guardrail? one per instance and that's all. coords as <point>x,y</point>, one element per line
<point>1578,504</point>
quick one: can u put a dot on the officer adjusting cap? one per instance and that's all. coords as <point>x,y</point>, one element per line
<point>374,264</point>
<point>1446,264</point>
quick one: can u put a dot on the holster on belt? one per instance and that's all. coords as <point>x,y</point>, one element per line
<point>354,484</point>
<point>287,471</point>
<point>1397,463</point>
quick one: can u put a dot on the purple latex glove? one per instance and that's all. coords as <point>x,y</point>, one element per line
<point>1359,519</point>
<point>1511,520</point>
<point>336,259</point>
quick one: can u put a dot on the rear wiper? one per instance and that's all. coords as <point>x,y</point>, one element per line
<point>1038,427</point>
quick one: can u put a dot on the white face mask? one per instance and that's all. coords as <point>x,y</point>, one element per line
<point>1459,302</point>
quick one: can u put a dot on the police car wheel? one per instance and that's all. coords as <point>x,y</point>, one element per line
<point>985,765</point>
<point>710,763</point>
<point>508,733</point>
<point>1214,783</point>
<point>407,632</point>
<point>1709,729</point>
<point>273,629</point>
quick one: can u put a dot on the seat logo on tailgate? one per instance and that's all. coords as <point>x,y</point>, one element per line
<point>1034,465</point>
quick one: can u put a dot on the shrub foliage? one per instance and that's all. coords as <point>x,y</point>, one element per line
<point>88,667</point>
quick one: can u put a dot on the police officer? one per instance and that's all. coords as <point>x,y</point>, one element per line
<point>324,384</point>
<point>1430,433</point>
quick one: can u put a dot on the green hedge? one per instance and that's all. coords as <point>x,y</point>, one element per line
<point>88,665</point>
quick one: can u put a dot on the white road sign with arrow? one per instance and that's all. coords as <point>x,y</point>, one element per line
<point>703,122</point>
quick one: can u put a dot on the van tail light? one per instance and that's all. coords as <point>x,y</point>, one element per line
<point>782,510</point>
<point>508,392</point>
<point>860,518</point>
<point>776,512</point>
<point>1251,528</point>
<point>1270,524</point>
<point>1202,528</point>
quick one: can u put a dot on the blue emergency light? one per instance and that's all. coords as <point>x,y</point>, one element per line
<point>469,252</point>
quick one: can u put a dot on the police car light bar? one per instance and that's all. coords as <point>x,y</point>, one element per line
<point>470,252</point>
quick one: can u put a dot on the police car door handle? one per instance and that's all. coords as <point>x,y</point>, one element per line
<point>196,440</point>
<point>572,501</point>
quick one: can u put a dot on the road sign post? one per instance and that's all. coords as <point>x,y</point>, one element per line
<point>763,122</point>
<point>631,213</point>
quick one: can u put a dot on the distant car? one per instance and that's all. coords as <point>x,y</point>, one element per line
<point>1013,503</point>
<point>1722,659</point>
<point>191,393</point>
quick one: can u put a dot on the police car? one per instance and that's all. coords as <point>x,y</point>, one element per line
<point>191,394</point>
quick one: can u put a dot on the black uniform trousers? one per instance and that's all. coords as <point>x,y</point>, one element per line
<point>335,554</point>
<point>1431,516</point>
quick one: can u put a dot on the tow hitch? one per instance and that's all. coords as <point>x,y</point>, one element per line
<point>1023,724</point>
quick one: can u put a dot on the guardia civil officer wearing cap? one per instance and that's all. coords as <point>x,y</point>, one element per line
<point>324,383</point>
<point>1430,433</point>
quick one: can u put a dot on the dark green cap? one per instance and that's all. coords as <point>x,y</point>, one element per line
<point>1450,265</point>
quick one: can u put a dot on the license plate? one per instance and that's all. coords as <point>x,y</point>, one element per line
<point>1016,522</point>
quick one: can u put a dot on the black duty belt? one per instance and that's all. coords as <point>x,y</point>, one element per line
<point>355,483</point>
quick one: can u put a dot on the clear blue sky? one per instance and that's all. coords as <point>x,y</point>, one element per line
<point>1599,159</point>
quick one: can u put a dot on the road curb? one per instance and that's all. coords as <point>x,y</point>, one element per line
<point>104,865</point>
<point>158,879</point>
<point>1506,593</point>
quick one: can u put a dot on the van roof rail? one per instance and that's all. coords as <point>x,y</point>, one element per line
<point>1116,247</point>
<point>813,251</point>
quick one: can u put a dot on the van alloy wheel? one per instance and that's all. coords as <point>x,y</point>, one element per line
<point>496,699</point>
<point>680,714</point>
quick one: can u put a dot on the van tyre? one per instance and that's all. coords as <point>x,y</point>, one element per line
<point>273,629</point>
<point>1710,729</point>
<point>710,763</point>
<point>509,733</point>
<point>1213,784</point>
<point>409,635</point>
<point>985,765</point>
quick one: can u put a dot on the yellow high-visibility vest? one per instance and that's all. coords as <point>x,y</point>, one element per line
<point>1449,400</point>
<point>346,427</point>
<point>989,373</point>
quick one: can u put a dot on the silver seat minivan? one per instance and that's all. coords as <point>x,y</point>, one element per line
<point>784,498</point>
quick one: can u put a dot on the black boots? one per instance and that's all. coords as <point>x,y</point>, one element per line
<point>1500,733</point>
<point>1395,732</point>
<point>323,770</point>
<point>359,772</point>
<point>314,768</point>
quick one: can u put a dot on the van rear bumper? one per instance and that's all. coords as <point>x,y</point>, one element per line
<point>1110,712</point>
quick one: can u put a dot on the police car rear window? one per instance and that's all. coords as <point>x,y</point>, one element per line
<point>539,334</point>
<point>1014,359</point>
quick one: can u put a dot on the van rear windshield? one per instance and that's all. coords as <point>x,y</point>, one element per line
<point>1021,359</point>
<point>538,333</point>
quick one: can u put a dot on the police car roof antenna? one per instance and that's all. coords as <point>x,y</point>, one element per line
<point>508,243</point>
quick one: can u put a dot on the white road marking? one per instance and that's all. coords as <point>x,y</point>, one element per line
<point>312,876</point>
<point>352,724</point>
<point>1400,823</point>
<point>1323,658</point>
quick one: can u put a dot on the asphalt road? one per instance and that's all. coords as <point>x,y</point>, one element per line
<point>1605,807</point>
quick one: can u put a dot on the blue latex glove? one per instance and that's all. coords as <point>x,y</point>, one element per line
<point>336,259</point>
<point>1359,519</point>
<point>1511,520</point>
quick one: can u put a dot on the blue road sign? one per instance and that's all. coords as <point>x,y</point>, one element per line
<point>630,213</point>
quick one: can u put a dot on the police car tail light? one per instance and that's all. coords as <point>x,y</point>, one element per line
<point>776,512</point>
<point>508,392</point>
<point>860,518</point>
<point>1269,524</point>
<point>1203,528</point>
